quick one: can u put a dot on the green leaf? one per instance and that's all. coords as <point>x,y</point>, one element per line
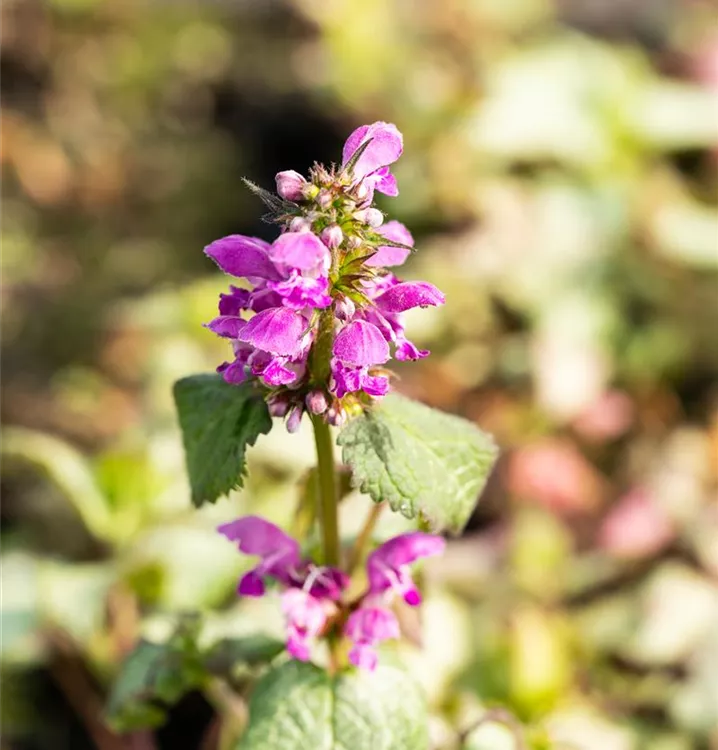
<point>421,461</point>
<point>153,677</point>
<point>299,706</point>
<point>251,650</point>
<point>218,422</point>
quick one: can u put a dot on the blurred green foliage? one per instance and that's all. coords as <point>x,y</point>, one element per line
<point>560,178</point>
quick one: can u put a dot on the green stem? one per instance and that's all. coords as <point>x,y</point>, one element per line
<point>364,536</point>
<point>327,510</point>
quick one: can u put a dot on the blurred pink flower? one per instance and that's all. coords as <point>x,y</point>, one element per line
<point>636,526</point>
<point>555,474</point>
<point>607,418</point>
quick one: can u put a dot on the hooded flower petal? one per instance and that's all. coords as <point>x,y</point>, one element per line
<point>303,251</point>
<point>279,552</point>
<point>361,344</point>
<point>392,256</point>
<point>277,330</point>
<point>408,294</point>
<point>385,147</point>
<point>242,256</point>
<point>388,565</point>
<point>257,536</point>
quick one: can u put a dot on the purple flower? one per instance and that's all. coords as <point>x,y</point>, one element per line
<point>311,591</point>
<point>388,573</point>
<point>358,347</point>
<point>300,251</point>
<point>361,344</point>
<point>242,256</point>
<point>408,294</point>
<point>372,167</point>
<point>387,255</point>
<point>328,257</point>
<point>388,565</point>
<point>306,616</point>
<point>367,627</point>
<point>277,330</point>
<point>279,552</point>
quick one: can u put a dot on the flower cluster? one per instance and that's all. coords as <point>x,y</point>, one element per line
<point>327,270</point>
<point>312,595</point>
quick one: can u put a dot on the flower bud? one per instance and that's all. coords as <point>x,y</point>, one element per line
<point>300,224</point>
<point>316,402</point>
<point>344,308</point>
<point>336,416</point>
<point>324,199</point>
<point>332,236</point>
<point>278,406</point>
<point>371,216</point>
<point>290,185</point>
<point>295,418</point>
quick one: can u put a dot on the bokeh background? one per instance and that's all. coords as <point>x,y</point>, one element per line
<point>560,177</point>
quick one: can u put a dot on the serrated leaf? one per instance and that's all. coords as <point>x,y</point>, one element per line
<point>218,422</point>
<point>420,460</point>
<point>299,706</point>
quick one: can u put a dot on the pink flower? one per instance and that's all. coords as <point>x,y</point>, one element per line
<point>242,256</point>
<point>316,265</point>
<point>310,590</point>
<point>636,526</point>
<point>279,553</point>
<point>358,347</point>
<point>555,474</point>
<point>389,575</point>
<point>388,565</point>
<point>367,627</point>
<point>387,255</point>
<point>306,616</point>
<point>372,167</point>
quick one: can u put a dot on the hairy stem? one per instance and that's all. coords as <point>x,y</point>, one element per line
<point>327,510</point>
<point>320,364</point>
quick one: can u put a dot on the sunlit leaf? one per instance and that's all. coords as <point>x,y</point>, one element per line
<point>420,460</point>
<point>299,706</point>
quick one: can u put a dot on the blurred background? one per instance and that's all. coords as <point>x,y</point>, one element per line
<point>560,177</point>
